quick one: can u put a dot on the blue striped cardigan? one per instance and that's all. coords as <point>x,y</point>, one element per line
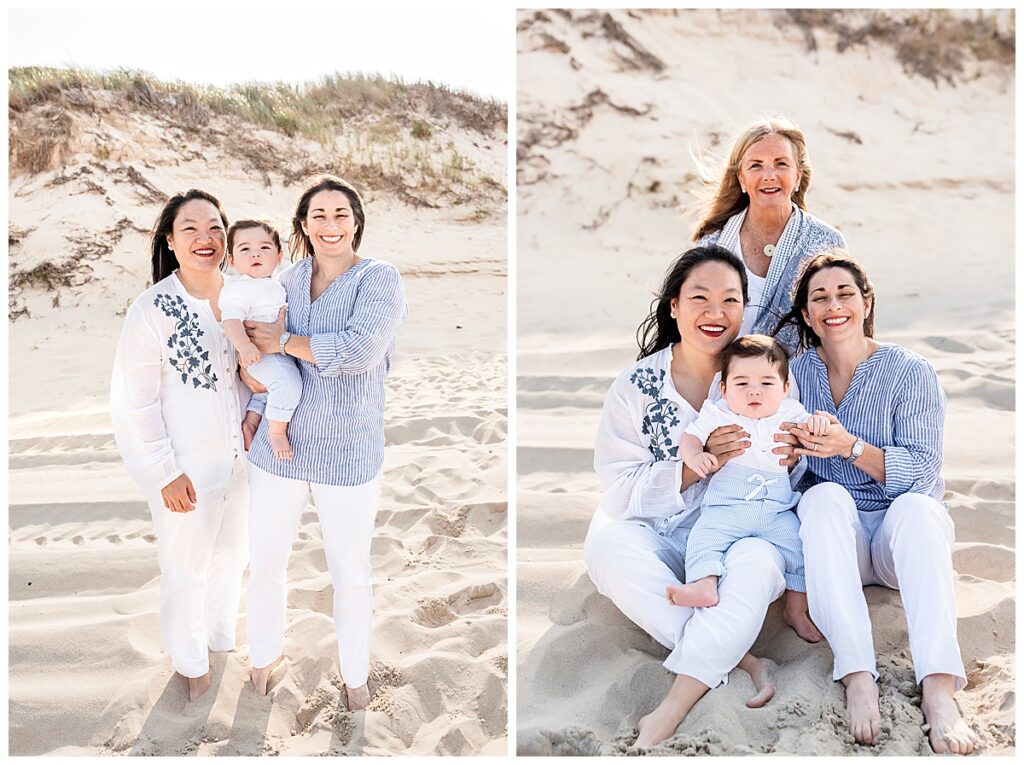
<point>804,237</point>
<point>337,431</point>
<point>894,402</point>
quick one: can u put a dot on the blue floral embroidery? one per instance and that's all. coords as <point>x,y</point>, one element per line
<point>191,359</point>
<point>661,413</point>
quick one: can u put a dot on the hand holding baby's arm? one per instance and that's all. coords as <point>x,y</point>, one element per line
<point>248,353</point>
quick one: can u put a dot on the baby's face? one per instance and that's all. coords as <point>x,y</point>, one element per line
<point>254,253</point>
<point>754,388</point>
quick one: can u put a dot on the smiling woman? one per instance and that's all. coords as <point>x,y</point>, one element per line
<point>177,407</point>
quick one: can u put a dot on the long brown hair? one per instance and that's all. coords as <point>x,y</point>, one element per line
<point>834,258</point>
<point>163,259</point>
<point>299,244</point>
<point>724,198</point>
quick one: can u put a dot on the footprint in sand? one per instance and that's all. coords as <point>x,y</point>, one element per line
<point>475,597</point>
<point>433,613</point>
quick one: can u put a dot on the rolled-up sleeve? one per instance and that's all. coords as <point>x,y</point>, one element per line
<point>634,484</point>
<point>135,405</point>
<point>913,463</point>
<point>379,312</point>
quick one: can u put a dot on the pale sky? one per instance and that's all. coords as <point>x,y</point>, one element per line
<point>469,47</point>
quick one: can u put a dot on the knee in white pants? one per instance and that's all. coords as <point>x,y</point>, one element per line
<point>920,516</point>
<point>823,507</point>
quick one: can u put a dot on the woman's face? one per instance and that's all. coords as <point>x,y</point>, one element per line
<point>330,223</point>
<point>197,237</point>
<point>835,306</point>
<point>709,308</point>
<point>768,171</point>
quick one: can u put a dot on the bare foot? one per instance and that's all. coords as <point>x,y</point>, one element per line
<point>761,678</point>
<point>795,615</point>
<point>862,707</point>
<point>700,594</point>
<point>662,722</point>
<point>260,676</point>
<point>277,433</point>
<point>358,698</point>
<point>197,686</point>
<point>947,731</point>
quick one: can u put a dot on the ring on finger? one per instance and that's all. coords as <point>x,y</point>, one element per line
<point>814,447</point>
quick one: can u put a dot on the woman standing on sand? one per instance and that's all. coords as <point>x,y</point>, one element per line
<point>637,540</point>
<point>177,410</point>
<point>343,316</point>
<point>873,510</point>
<point>757,209</point>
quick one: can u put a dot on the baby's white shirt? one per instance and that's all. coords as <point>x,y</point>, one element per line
<point>247,299</point>
<point>759,455</point>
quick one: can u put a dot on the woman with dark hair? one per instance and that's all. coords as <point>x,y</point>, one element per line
<point>177,410</point>
<point>636,543</point>
<point>343,316</point>
<point>872,511</point>
<point>757,209</point>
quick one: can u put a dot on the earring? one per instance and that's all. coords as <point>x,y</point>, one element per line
<point>743,188</point>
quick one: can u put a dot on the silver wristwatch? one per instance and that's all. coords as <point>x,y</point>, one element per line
<point>857,450</point>
<point>283,341</point>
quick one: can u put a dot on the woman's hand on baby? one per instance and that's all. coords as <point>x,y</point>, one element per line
<point>249,355</point>
<point>726,442</point>
<point>251,382</point>
<point>267,335</point>
<point>787,445</point>
<point>702,464</point>
<point>179,495</point>
<point>249,426</point>
<point>837,441</point>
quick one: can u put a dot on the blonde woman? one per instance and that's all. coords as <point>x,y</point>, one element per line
<point>757,209</point>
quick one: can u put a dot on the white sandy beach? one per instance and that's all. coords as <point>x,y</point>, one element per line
<point>88,672</point>
<point>920,179</point>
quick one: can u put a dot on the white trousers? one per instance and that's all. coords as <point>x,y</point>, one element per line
<point>202,559</point>
<point>632,564</point>
<point>347,516</point>
<point>907,548</point>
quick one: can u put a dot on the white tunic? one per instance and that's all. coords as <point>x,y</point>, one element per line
<point>175,399</point>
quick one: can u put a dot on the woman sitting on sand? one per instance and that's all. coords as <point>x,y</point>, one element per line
<point>343,316</point>
<point>757,209</point>
<point>177,410</point>
<point>637,540</point>
<point>872,512</point>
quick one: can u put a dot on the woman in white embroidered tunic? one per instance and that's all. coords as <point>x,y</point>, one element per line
<point>872,512</point>
<point>636,543</point>
<point>343,316</point>
<point>757,209</point>
<point>177,410</point>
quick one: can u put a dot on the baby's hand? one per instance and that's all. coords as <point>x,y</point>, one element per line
<point>818,424</point>
<point>249,355</point>
<point>702,463</point>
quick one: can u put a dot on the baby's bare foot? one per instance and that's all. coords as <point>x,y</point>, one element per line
<point>279,443</point>
<point>197,686</point>
<point>862,707</point>
<point>802,625</point>
<point>700,594</point>
<point>358,698</point>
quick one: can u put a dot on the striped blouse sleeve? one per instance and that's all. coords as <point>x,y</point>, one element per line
<point>379,312</point>
<point>914,462</point>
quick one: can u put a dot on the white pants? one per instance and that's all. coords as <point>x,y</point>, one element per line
<point>347,516</point>
<point>907,548</point>
<point>632,564</point>
<point>202,559</point>
<point>280,376</point>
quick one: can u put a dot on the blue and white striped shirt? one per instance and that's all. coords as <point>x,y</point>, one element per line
<point>894,402</point>
<point>337,431</point>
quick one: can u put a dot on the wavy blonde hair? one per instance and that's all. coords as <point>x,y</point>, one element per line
<point>722,197</point>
